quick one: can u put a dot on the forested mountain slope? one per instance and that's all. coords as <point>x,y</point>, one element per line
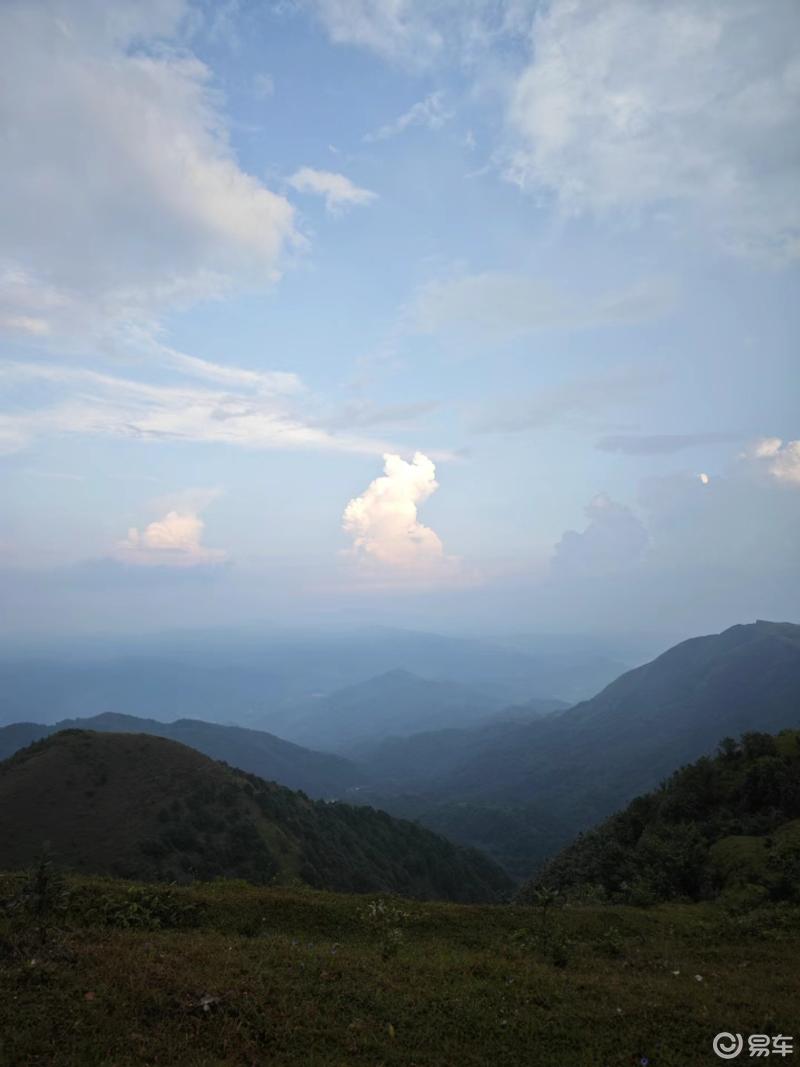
<point>146,807</point>
<point>729,824</point>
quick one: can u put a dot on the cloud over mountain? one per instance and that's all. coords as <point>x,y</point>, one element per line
<point>174,540</point>
<point>383,521</point>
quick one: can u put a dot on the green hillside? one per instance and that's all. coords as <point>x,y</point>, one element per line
<point>146,807</point>
<point>726,825</point>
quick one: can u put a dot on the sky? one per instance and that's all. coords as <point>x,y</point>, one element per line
<point>466,314</point>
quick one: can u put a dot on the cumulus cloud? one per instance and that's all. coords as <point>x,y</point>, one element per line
<point>175,539</point>
<point>497,305</point>
<point>634,104</point>
<point>659,444</point>
<point>338,191</point>
<point>713,550</point>
<point>430,113</point>
<point>614,540</point>
<point>383,521</point>
<point>127,197</point>
<point>779,459</point>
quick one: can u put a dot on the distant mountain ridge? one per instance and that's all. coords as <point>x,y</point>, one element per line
<point>149,808</point>
<point>581,764</point>
<point>396,703</point>
<point>320,774</point>
<point>249,678</point>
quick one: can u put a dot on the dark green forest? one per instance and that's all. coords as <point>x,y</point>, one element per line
<point>724,826</point>
<point>143,807</point>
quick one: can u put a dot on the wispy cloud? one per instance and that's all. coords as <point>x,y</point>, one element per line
<point>578,399</point>
<point>258,413</point>
<point>661,444</point>
<point>338,192</point>
<point>500,305</point>
<point>430,113</point>
<point>362,414</point>
<point>417,33</point>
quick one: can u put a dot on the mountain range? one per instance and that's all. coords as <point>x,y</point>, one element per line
<point>397,703</point>
<point>517,782</point>
<point>568,770</point>
<point>264,680</point>
<point>320,774</point>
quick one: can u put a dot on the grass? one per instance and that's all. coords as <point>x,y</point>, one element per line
<point>297,977</point>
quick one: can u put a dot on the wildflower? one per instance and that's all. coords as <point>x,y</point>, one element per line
<point>698,978</point>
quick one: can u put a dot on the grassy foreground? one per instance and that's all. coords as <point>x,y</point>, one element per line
<point>225,973</point>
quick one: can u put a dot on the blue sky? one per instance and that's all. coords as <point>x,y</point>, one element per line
<point>543,256</point>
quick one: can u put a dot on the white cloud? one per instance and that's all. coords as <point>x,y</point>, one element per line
<point>633,104</point>
<point>393,28</point>
<point>173,540</point>
<point>499,305</point>
<point>337,190</point>
<point>127,197</point>
<point>383,520</point>
<point>614,540</point>
<point>417,32</point>
<point>780,460</point>
<point>255,410</point>
<point>430,113</point>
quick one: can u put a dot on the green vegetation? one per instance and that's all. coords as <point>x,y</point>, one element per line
<point>147,808</point>
<point>726,826</point>
<point>232,974</point>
